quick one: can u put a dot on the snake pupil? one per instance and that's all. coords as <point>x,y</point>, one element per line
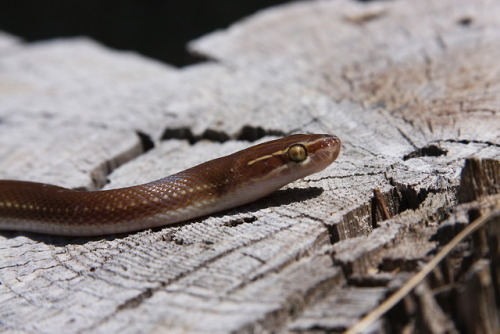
<point>297,153</point>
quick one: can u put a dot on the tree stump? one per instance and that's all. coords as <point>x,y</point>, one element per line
<point>411,87</point>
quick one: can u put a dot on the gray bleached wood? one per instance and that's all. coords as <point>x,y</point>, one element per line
<point>411,88</point>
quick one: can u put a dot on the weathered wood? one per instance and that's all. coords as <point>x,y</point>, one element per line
<point>479,178</point>
<point>411,88</point>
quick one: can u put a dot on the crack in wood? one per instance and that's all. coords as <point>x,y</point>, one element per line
<point>405,136</point>
<point>137,300</point>
<point>442,276</point>
<point>330,177</point>
<point>146,141</point>
<point>471,141</point>
<point>240,221</point>
<point>246,133</point>
<point>365,217</point>
<point>431,150</point>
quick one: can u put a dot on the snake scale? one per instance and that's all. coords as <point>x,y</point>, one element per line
<point>213,186</point>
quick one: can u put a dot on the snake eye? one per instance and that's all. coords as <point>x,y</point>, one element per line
<point>297,153</point>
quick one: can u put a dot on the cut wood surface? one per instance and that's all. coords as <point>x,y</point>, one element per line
<point>411,87</point>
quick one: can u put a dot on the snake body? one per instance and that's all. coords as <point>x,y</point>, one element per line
<point>210,187</point>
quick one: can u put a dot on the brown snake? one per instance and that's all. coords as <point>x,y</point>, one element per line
<point>210,187</point>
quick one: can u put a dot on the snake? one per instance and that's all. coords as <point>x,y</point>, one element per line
<point>213,186</point>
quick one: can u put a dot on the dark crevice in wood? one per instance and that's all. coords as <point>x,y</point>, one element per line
<point>137,300</point>
<point>214,136</point>
<point>467,141</point>
<point>239,221</point>
<point>402,198</point>
<point>373,280</point>
<point>185,133</point>
<point>426,151</point>
<point>366,216</point>
<point>399,264</point>
<point>99,175</point>
<point>253,133</point>
<point>405,136</point>
<point>409,198</point>
<point>460,274</point>
<point>399,317</point>
<point>247,133</point>
<point>146,141</point>
<point>479,177</point>
<point>399,199</point>
<point>468,275</point>
<point>178,133</point>
<point>465,21</point>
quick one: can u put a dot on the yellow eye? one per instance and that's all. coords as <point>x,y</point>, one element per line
<point>297,153</point>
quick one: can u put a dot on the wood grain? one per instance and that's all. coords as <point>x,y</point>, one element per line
<point>411,88</point>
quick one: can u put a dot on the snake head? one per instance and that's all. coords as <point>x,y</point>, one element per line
<point>259,170</point>
<point>287,159</point>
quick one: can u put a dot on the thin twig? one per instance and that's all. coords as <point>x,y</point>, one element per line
<point>397,296</point>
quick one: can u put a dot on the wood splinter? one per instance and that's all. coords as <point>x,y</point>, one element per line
<point>380,203</point>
